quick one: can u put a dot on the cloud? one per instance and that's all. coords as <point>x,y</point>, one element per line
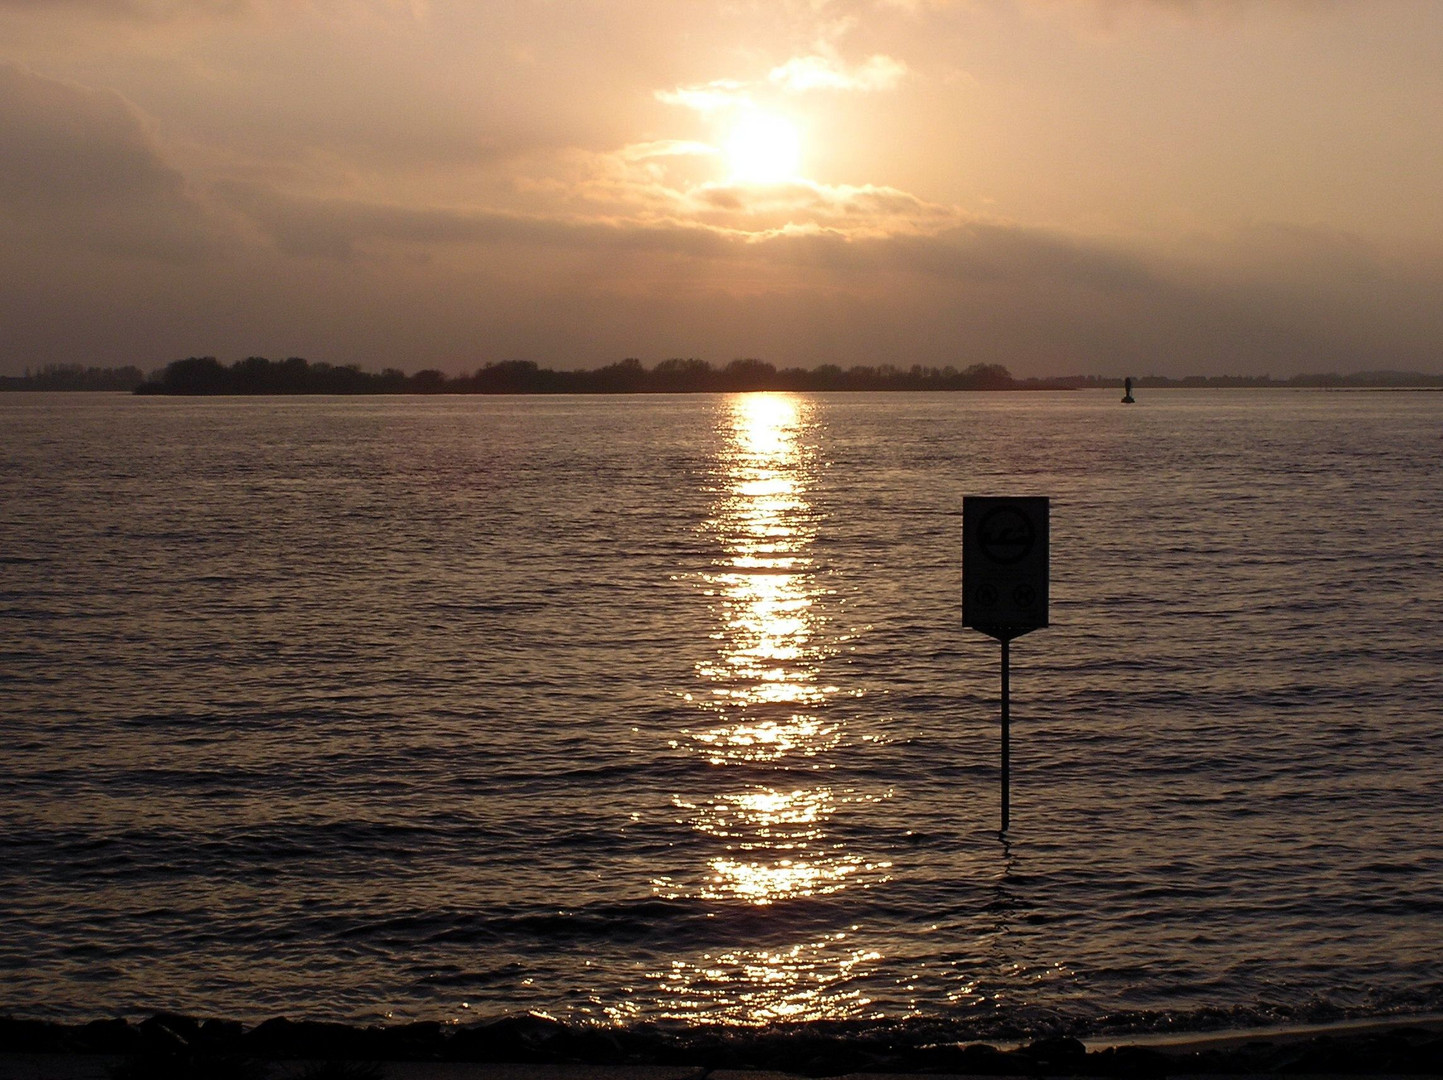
<point>349,229</point>
<point>677,179</point>
<point>150,12</point>
<point>825,72</point>
<point>1111,14</point>
<point>665,148</point>
<point>709,97</point>
<point>81,167</point>
<point>799,206</point>
<point>821,69</point>
<point>850,229</point>
<point>147,12</point>
<point>943,290</point>
<point>866,275</point>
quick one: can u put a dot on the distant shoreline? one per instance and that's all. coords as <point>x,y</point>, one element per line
<point>258,376</point>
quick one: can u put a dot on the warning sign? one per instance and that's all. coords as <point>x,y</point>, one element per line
<point>1004,564</point>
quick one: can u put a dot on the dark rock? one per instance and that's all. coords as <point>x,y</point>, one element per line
<point>1057,1055</point>
<point>421,1041</point>
<point>31,1036</point>
<point>980,1059</point>
<point>510,1038</point>
<point>109,1037</point>
<point>187,1066</point>
<point>343,1070</point>
<point>165,1032</point>
<point>222,1035</point>
<point>1131,1061</point>
<point>282,1039</point>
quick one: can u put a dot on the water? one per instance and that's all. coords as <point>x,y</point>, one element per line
<point>658,711</point>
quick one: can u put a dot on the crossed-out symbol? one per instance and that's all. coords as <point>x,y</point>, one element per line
<point>1024,596</point>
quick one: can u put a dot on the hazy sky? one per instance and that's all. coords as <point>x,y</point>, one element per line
<point>1060,186</point>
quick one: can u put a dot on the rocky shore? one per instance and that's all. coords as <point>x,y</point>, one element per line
<point>171,1046</point>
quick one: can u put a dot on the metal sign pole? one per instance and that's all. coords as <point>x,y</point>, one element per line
<point>1006,740</point>
<point>1004,588</point>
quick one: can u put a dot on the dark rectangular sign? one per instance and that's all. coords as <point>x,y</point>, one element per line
<point>1004,564</point>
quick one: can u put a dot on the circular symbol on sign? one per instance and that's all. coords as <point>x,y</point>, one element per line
<point>987,595</point>
<point>1006,535</point>
<point>1024,596</point>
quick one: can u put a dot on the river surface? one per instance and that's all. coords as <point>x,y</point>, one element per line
<point>659,711</point>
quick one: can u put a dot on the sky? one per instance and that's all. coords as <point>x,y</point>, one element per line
<point>1063,187</point>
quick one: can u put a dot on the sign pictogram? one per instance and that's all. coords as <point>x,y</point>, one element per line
<point>1006,535</point>
<point>1004,564</point>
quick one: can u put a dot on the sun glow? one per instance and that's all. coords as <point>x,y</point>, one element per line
<point>763,148</point>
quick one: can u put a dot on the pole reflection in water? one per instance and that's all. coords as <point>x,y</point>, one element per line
<point>767,736</point>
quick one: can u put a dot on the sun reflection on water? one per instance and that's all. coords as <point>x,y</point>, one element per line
<point>765,705</point>
<point>811,980</point>
<point>763,680</point>
<point>768,740</point>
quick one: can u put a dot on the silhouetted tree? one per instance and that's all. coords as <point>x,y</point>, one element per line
<point>681,376</point>
<point>987,377</point>
<point>74,377</point>
<point>508,377</point>
<point>627,377</point>
<point>748,374</point>
<point>197,375</point>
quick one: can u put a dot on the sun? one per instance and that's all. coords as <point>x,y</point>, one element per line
<point>763,148</point>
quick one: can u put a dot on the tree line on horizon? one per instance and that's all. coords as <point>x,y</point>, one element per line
<point>75,377</point>
<point>258,375</point>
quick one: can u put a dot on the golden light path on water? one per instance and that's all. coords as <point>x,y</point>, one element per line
<point>764,699</point>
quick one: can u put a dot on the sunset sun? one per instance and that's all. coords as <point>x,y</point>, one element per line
<point>763,148</point>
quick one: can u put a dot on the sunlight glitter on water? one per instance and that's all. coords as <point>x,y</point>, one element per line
<point>769,740</point>
<point>763,685</point>
<point>764,591</point>
<point>812,980</point>
<point>765,587</point>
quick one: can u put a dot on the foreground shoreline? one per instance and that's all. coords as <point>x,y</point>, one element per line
<point>521,1048</point>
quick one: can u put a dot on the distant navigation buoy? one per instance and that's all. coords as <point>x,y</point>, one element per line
<point>1127,398</point>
